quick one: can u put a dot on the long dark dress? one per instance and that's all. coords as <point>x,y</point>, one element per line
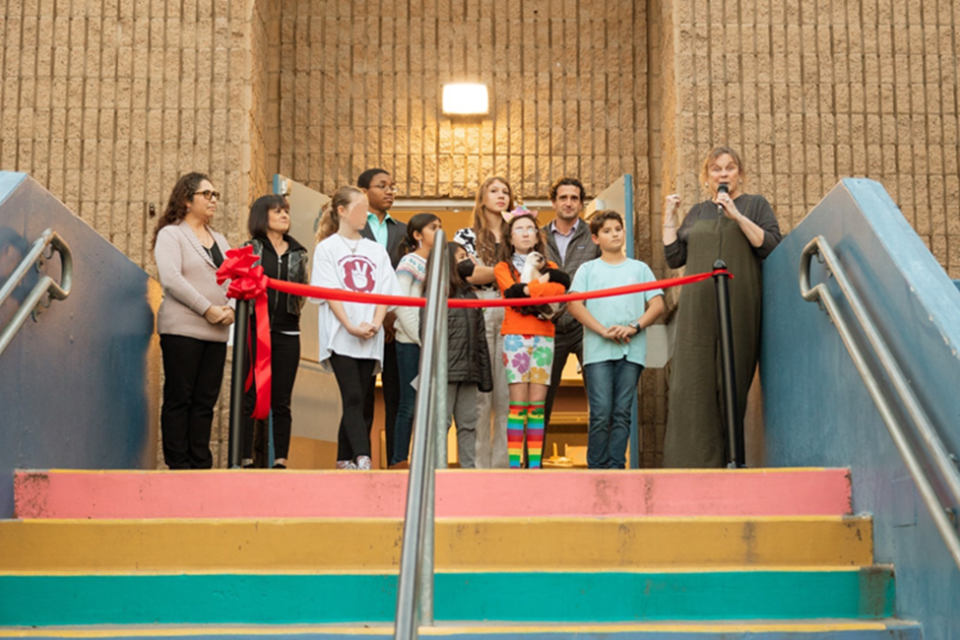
<point>696,429</point>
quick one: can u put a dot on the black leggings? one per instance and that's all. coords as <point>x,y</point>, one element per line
<point>284,361</point>
<point>355,379</point>
<point>193,370</point>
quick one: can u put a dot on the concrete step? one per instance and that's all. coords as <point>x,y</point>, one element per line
<point>460,493</point>
<point>837,629</point>
<point>516,596</point>
<point>374,544</point>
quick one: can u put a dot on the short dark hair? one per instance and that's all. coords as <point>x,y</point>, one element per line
<point>566,181</point>
<point>259,221</point>
<point>598,219</point>
<point>367,177</point>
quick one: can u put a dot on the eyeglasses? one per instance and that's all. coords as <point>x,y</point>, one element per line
<point>524,231</point>
<point>384,187</point>
<point>208,194</point>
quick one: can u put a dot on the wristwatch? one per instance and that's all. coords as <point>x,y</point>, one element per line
<point>635,325</point>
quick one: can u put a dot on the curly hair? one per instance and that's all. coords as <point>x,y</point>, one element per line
<point>568,182</point>
<point>176,209</point>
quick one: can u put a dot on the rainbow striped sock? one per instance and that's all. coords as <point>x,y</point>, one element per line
<point>515,421</point>
<point>535,433</point>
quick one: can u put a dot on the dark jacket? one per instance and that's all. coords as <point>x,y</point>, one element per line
<point>396,230</point>
<point>469,358</point>
<point>581,249</point>
<point>292,267</point>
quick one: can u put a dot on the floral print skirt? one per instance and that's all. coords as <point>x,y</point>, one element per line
<point>528,358</point>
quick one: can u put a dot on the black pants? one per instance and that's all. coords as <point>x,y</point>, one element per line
<point>193,371</point>
<point>390,376</point>
<point>355,379</point>
<point>563,345</point>
<point>284,362</point>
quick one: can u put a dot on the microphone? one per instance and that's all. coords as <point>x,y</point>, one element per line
<point>723,187</point>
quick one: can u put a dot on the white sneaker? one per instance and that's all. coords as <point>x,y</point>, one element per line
<point>364,463</point>
<point>346,465</point>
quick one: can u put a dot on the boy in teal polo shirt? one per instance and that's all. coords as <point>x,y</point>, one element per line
<point>614,342</point>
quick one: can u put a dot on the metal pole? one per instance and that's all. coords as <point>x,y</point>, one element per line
<point>728,370</point>
<point>236,381</point>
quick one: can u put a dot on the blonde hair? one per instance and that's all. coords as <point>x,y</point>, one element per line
<point>486,242</point>
<point>329,219</point>
<point>715,153</point>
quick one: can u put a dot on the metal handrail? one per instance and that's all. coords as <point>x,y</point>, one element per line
<point>415,584</point>
<point>932,445</point>
<point>46,284</point>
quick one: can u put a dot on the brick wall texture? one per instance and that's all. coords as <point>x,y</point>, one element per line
<point>106,102</point>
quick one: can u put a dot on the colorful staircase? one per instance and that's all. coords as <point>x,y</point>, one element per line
<point>125,554</point>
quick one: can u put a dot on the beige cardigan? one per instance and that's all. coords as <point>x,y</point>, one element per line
<point>189,281</point>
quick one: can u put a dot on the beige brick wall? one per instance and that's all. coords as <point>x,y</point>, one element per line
<point>361,81</point>
<point>107,102</point>
<point>814,91</point>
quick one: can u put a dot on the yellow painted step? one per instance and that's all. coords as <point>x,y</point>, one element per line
<point>486,543</point>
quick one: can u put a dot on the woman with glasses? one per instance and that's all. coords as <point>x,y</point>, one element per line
<point>193,320</point>
<point>527,337</point>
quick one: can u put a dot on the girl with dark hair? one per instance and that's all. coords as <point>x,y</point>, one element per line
<point>351,333</point>
<point>481,241</point>
<point>528,339</point>
<point>193,320</point>
<point>418,243</point>
<point>468,365</point>
<point>282,258</point>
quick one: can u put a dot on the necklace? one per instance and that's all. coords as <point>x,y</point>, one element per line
<point>352,249</point>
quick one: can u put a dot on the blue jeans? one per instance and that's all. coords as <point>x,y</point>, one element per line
<point>611,387</point>
<point>408,364</point>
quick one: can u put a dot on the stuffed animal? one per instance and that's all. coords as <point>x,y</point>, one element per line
<point>533,268</point>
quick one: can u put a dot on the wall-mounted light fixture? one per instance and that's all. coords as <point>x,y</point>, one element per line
<point>466,99</point>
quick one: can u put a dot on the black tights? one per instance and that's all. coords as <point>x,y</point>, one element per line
<point>355,379</point>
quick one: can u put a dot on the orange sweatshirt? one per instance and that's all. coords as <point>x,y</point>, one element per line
<point>514,322</point>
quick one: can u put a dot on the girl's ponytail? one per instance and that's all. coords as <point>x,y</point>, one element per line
<point>329,218</point>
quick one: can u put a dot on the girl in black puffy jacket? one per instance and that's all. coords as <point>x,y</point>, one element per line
<point>468,369</point>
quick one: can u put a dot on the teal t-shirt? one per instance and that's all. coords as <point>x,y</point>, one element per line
<point>597,274</point>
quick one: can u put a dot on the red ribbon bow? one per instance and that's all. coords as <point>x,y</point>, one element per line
<point>248,282</point>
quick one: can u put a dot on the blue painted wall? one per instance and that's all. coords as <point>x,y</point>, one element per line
<point>816,408</point>
<point>78,387</point>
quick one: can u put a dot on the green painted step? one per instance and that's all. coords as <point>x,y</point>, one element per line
<point>607,596</point>
<point>776,630</point>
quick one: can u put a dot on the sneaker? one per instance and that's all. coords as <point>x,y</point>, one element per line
<point>364,463</point>
<point>346,465</point>
<point>279,465</point>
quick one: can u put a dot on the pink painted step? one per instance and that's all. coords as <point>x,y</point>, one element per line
<point>353,494</point>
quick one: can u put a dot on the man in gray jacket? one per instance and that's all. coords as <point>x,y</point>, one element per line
<point>569,245</point>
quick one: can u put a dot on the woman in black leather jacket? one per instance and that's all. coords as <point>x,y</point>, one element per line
<point>282,258</point>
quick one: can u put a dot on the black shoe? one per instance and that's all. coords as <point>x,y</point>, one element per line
<point>279,466</point>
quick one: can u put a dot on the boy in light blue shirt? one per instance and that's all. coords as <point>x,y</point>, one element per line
<point>614,342</point>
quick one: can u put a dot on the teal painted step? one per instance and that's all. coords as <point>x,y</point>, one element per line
<point>41,600</point>
<point>820,630</point>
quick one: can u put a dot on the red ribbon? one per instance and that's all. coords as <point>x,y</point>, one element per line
<point>248,282</point>
<point>405,301</point>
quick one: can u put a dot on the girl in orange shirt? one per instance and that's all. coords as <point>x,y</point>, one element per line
<point>528,338</point>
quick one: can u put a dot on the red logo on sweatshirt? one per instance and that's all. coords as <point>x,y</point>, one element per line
<point>359,273</point>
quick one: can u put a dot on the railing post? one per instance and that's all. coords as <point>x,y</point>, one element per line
<point>728,369</point>
<point>242,319</point>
